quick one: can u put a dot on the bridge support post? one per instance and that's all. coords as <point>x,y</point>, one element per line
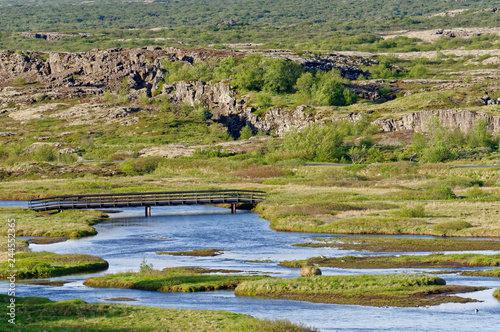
<point>148,211</point>
<point>233,208</point>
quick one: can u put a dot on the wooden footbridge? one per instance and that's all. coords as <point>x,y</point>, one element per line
<point>147,200</point>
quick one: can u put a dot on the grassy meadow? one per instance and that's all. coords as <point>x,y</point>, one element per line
<point>371,290</point>
<point>404,261</point>
<point>388,198</point>
<point>68,223</point>
<point>170,280</point>
<point>41,314</point>
<point>47,264</point>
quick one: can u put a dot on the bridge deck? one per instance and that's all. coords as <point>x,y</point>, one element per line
<point>147,200</point>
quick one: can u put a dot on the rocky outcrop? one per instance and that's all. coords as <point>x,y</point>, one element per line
<point>347,65</point>
<point>233,112</point>
<point>141,68</point>
<point>225,108</point>
<point>464,120</point>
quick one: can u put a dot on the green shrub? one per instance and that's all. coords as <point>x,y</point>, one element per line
<point>211,152</point>
<point>43,153</point>
<point>329,90</point>
<point>280,75</point>
<point>304,84</point>
<point>417,211</point>
<point>316,142</point>
<point>141,166</point>
<point>479,136</point>
<point>448,226</point>
<point>440,192</point>
<point>418,71</point>
<point>475,193</point>
<point>67,158</point>
<point>264,101</point>
<point>245,132</point>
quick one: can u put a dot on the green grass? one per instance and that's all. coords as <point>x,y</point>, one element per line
<point>47,264</point>
<point>68,223</point>
<point>485,273</point>
<point>170,280</point>
<point>41,314</point>
<point>393,244</point>
<point>361,199</point>
<point>196,252</point>
<point>372,290</point>
<point>406,261</point>
<point>496,293</point>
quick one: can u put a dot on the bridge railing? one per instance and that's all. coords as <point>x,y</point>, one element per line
<point>147,199</point>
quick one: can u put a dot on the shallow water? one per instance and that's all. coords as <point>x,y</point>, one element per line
<point>129,237</point>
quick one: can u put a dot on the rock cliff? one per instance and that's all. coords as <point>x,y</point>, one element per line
<point>224,107</point>
<point>417,121</point>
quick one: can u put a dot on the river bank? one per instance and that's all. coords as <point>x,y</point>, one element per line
<point>128,237</point>
<point>392,198</point>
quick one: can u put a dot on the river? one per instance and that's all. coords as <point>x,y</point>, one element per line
<point>252,246</point>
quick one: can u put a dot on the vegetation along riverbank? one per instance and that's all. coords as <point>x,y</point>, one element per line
<point>371,290</point>
<point>405,261</point>
<point>67,223</point>
<point>41,314</point>
<point>47,264</point>
<point>401,244</point>
<point>170,280</point>
<point>195,252</point>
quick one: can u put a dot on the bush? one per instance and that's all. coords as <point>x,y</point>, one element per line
<point>212,152</point>
<point>447,226</point>
<point>305,84</point>
<point>264,101</point>
<point>329,90</point>
<point>417,211</point>
<point>440,192</point>
<point>316,142</point>
<point>418,71</point>
<point>141,166</point>
<point>479,136</point>
<point>475,193</point>
<point>43,153</point>
<point>280,75</point>
<point>245,132</point>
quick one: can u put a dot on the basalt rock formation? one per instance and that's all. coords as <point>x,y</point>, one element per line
<point>417,121</point>
<point>96,68</point>
<point>141,68</point>
<point>224,107</point>
<point>78,75</point>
